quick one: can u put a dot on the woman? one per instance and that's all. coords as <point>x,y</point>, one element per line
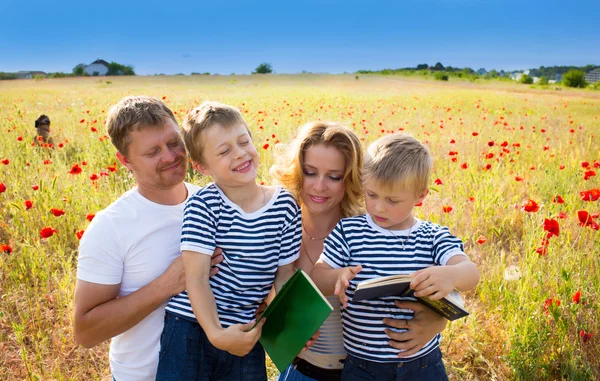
<point>322,169</point>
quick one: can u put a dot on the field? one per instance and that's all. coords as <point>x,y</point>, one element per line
<point>516,177</point>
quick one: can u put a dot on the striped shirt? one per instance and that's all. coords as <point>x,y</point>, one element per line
<point>381,252</point>
<point>254,246</point>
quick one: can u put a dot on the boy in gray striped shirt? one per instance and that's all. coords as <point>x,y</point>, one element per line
<point>386,241</point>
<point>208,332</point>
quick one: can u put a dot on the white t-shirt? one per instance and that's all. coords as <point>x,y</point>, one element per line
<point>131,243</point>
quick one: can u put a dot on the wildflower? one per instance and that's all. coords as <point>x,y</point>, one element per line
<point>438,181</point>
<point>586,219</point>
<point>558,200</point>
<point>57,212</point>
<point>518,178</point>
<point>588,174</point>
<point>6,249</point>
<point>5,161</point>
<point>576,297</point>
<point>94,177</point>
<point>446,209</point>
<point>2,188</point>
<point>28,204</point>
<point>266,146</point>
<point>35,187</point>
<point>90,216</point>
<point>481,240</point>
<point>585,336</point>
<point>464,165</point>
<point>47,232</point>
<point>75,170</point>
<point>590,195</point>
<point>79,233</point>
<point>552,227</point>
<point>530,206</point>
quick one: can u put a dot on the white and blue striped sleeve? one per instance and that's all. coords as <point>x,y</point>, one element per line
<point>336,252</point>
<point>446,246</point>
<point>291,236</point>
<point>199,227</point>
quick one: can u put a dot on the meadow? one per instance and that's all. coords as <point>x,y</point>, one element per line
<point>516,176</point>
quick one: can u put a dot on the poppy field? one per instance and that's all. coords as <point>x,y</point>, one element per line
<point>516,176</point>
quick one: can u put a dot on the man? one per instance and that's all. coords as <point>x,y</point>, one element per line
<point>129,258</point>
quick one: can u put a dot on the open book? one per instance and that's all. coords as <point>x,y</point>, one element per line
<point>451,306</point>
<point>295,314</point>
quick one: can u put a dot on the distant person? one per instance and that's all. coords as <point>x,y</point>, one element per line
<point>389,240</point>
<point>42,127</point>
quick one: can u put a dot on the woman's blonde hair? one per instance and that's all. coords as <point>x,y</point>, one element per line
<point>288,170</point>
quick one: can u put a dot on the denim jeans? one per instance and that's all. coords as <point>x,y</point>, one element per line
<point>187,354</point>
<point>427,368</point>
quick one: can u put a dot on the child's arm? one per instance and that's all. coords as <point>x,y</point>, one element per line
<point>334,281</point>
<point>238,339</point>
<point>282,275</point>
<point>438,281</point>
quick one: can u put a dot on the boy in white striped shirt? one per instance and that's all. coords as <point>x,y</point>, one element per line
<point>208,332</point>
<point>389,240</point>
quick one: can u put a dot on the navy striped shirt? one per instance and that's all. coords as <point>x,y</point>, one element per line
<point>381,252</point>
<point>254,246</point>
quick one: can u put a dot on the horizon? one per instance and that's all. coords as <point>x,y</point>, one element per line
<point>316,37</point>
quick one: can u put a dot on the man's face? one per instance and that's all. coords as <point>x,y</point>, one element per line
<point>157,157</point>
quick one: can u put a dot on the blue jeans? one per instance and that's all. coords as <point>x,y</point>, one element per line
<point>187,354</point>
<point>427,368</point>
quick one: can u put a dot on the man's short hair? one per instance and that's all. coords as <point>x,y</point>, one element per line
<point>43,120</point>
<point>204,116</point>
<point>398,161</point>
<point>132,114</point>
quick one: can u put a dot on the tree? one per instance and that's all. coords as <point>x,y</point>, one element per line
<point>79,70</point>
<point>422,67</point>
<point>440,76</point>
<point>263,68</point>
<point>543,81</point>
<point>574,78</point>
<point>525,79</point>
<point>115,68</point>
<point>438,66</point>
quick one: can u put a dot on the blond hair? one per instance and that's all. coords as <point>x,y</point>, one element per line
<point>204,116</point>
<point>288,171</point>
<point>132,114</point>
<point>399,161</point>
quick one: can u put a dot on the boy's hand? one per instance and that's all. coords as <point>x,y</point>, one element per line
<point>434,282</point>
<point>343,281</point>
<point>312,340</point>
<point>239,339</point>
<point>215,259</point>
<point>261,308</point>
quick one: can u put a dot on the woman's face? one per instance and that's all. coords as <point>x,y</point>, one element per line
<point>323,187</point>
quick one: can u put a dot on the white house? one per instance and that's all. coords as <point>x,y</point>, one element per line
<point>593,76</point>
<point>98,67</point>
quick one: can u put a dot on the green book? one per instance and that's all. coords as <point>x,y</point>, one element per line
<point>295,314</point>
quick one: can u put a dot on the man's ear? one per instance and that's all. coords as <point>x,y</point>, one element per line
<point>123,159</point>
<point>200,168</point>
<point>422,196</point>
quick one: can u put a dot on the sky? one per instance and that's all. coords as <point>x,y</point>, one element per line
<point>324,36</point>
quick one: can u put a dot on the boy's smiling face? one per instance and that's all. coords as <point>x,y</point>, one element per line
<point>228,156</point>
<point>391,208</point>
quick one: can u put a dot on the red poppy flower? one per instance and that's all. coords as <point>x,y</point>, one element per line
<point>28,204</point>
<point>491,143</point>
<point>452,141</point>
<point>75,170</point>
<point>588,174</point>
<point>576,297</point>
<point>90,216</point>
<point>79,233</point>
<point>112,168</point>
<point>84,163</point>
<point>6,249</point>
<point>552,227</point>
<point>562,215</point>
<point>35,187</point>
<point>489,155</point>
<point>452,153</point>
<point>57,212</point>
<point>518,178</point>
<point>464,165</point>
<point>530,206</point>
<point>558,200</point>
<point>82,121</point>
<point>94,177</point>
<point>590,195</point>
<point>585,164</point>
<point>481,240</point>
<point>447,208</point>
<point>542,250</point>
<point>47,161</point>
<point>266,146</point>
<point>20,138</point>
<point>438,181</point>
<point>475,133</point>
<point>47,232</point>
<point>93,129</point>
<point>2,188</point>
<point>585,336</point>
<point>5,161</point>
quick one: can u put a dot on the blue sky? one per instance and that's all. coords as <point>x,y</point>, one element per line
<point>227,37</point>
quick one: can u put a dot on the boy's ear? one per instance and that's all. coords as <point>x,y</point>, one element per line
<point>200,168</point>
<point>422,196</point>
<point>123,160</point>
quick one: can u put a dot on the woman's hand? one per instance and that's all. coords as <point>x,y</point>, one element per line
<point>420,329</point>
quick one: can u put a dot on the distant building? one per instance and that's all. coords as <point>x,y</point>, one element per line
<point>98,67</point>
<point>593,76</point>
<point>29,74</point>
<point>516,76</point>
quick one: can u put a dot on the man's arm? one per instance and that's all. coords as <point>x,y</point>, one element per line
<point>99,315</point>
